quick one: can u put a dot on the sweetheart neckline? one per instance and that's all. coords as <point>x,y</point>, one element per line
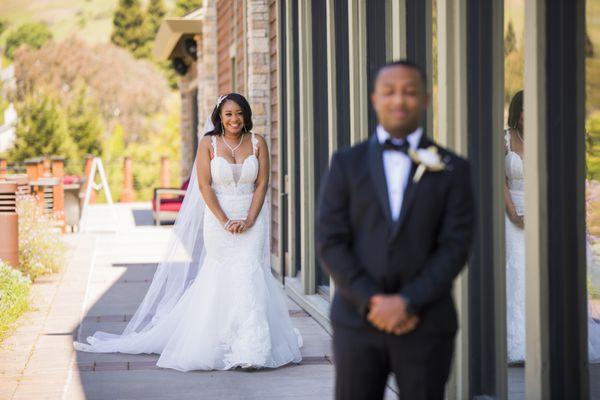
<point>230,163</point>
<point>242,164</point>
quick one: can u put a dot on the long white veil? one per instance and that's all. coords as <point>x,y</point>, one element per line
<point>177,270</point>
<point>182,261</point>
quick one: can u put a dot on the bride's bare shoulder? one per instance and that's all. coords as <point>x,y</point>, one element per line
<point>260,138</point>
<point>205,146</point>
<point>205,141</point>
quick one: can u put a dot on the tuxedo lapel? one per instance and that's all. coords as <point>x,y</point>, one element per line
<point>410,192</point>
<point>375,158</point>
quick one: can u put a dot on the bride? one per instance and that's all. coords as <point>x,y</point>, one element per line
<point>514,194</point>
<point>213,303</point>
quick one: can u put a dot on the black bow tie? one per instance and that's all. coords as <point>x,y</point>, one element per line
<point>390,145</point>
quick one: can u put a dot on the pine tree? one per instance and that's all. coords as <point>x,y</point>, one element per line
<point>41,129</point>
<point>3,25</point>
<point>32,34</point>
<point>589,46</point>
<point>156,12</point>
<point>85,124</point>
<point>130,28</point>
<point>510,40</point>
<point>114,151</point>
<point>183,7</point>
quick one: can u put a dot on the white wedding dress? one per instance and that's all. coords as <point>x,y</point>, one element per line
<point>515,267</point>
<point>233,313</point>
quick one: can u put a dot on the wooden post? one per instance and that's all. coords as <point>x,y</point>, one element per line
<point>87,169</point>
<point>165,172</point>
<point>127,192</point>
<point>58,191</point>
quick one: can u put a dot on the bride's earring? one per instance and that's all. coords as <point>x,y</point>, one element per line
<point>245,130</point>
<point>222,129</point>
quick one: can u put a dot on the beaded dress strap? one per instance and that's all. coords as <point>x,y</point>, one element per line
<point>254,144</point>
<point>213,140</point>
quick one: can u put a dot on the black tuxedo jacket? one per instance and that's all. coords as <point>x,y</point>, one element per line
<point>367,252</point>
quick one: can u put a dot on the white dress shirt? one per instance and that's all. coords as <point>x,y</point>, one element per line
<point>396,166</point>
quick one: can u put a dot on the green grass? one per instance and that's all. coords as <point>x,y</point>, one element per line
<point>89,19</point>
<point>63,16</point>
<point>14,298</point>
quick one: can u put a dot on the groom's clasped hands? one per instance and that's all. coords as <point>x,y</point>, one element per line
<point>389,313</point>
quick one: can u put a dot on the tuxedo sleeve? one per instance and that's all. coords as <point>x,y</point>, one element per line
<point>453,244</point>
<point>334,240</point>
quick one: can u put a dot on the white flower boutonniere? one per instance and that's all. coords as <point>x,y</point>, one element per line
<point>427,160</point>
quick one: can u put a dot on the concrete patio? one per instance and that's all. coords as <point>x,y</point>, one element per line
<point>105,279</point>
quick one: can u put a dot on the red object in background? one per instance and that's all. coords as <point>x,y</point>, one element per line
<point>173,204</point>
<point>70,179</point>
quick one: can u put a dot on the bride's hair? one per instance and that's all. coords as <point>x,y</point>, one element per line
<point>514,110</point>
<point>216,114</point>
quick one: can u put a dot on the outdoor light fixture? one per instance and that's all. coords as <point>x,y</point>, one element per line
<point>190,47</point>
<point>179,65</point>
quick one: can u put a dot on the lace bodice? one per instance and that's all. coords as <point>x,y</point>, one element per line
<point>234,179</point>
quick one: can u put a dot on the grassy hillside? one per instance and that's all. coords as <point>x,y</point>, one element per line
<point>90,19</point>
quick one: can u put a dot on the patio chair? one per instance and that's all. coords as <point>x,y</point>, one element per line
<point>166,209</point>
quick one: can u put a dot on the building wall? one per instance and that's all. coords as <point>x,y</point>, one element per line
<point>231,64</point>
<point>188,85</point>
<point>343,52</point>
<point>274,128</point>
<point>208,62</point>
<point>225,27</point>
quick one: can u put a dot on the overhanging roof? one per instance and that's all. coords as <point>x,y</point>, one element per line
<point>172,29</point>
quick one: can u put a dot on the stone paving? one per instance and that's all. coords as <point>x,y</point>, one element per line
<point>105,279</point>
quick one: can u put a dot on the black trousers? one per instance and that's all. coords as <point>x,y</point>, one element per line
<point>364,358</point>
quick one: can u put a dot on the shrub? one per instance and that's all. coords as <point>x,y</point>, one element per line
<point>42,129</point>
<point>40,249</point>
<point>14,297</point>
<point>33,34</point>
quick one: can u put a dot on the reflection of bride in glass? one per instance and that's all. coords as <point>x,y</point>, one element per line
<point>514,195</point>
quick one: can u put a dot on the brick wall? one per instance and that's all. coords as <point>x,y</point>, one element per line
<point>274,127</point>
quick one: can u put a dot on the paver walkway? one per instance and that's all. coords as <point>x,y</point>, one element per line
<point>100,288</point>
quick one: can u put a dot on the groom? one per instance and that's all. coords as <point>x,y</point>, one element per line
<point>394,227</point>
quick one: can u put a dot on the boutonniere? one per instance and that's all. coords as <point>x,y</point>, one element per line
<point>427,160</point>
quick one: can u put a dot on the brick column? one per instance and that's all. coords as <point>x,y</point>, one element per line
<point>58,190</point>
<point>40,167</point>
<point>32,169</point>
<point>3,167</point>
<point>34,172</point>
<point>207,63</point>
<point>257,17</point>
<point>87,170</point>
<point>165,172</point>
<point>127,192</point>
<point>46,167</point>
<point>9,224</point>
